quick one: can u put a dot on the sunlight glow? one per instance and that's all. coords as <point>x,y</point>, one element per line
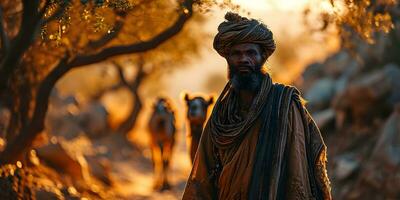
<point>286,5</point>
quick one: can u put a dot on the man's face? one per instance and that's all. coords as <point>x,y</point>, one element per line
<point>245,61</point>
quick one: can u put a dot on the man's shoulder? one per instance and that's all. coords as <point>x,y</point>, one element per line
<point>295,94</point>
<point>288,89</point>
<point>285,86</point>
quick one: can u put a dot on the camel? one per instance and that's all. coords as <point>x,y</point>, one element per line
<point>197,108</point>
<point>162,138</point>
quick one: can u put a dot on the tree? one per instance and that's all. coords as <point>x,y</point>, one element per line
<point>130,72</point>
<point>152,65</point>
<point>363,18</point>
<point>73,34</point>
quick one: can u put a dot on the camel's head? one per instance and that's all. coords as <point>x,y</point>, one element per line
<point>197,107</point>
<point>162,106</point>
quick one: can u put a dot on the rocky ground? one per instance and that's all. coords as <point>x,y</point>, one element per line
<point>354,97</point>
<point>75,158</point>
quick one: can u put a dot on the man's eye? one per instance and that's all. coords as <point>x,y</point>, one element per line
<point>253,53</point>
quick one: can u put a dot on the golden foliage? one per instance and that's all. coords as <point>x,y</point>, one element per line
<point>362,17</point>
<point>82,23</point>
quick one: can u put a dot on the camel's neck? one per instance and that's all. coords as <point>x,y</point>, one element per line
<point>196,129</point>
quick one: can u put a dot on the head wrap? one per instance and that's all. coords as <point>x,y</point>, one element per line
<point>238,29</point>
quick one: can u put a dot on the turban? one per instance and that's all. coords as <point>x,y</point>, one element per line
<point>237,29</point>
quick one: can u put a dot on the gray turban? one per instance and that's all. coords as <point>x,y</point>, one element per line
<point>238,30</point>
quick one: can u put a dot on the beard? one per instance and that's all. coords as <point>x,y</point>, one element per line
<point>248,82</point>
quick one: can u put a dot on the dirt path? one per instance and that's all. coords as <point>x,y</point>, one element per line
<point>133,174</point>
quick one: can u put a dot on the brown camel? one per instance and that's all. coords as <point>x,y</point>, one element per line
<point>162,133</point>
<point>197,108</point>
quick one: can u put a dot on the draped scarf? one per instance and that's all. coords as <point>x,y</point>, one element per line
<point>271,105</point>
<point>228,127</point>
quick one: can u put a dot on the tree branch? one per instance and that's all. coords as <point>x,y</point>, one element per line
<point>140,46</point>
<point>42,12</point>
<point>137,104</point>
<point>56,14</point>
<point>106,38</point>
<point>121,75</point>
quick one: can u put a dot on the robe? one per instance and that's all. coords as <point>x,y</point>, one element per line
<point>285,162</point>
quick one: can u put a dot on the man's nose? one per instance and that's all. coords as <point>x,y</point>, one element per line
<point>243,59</point>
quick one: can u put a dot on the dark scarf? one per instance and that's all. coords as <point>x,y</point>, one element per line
<point>228,127</point>
<point>271,105</point>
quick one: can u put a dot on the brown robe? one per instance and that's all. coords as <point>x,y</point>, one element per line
<point>231,177</point>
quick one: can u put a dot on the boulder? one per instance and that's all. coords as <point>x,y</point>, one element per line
<point>61,119</point>
<point>55,155</point>
<point>311,74</point>
<point>63,126</point>
<point>369,97</point>
<point>324,118</point>
<point>337,63</point>
<point>100,169</point>
<point>320,94</point>
<point>392,72</point>
<point>381,174</point>
<point>93,118</point>
<point>345,166</point>
<point>48,195</point>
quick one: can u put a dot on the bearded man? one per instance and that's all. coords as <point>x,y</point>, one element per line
<point>260,142</point>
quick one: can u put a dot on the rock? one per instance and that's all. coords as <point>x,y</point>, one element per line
<point>324,118</point>
<point>48,195</point>
<point>320,94</point>
<point>312,73</point>
<point>392,72</point>
<point>336,64</point>
<point>61,119</point>
<point>100,169</point>
<point>58,158</point>
<point>382,172</point>
<point>63,126</point>
<point>57,100</point>
<point>346,165</point>
<point>93,118</point>
<point>367,98</point>
<point>350,72</point>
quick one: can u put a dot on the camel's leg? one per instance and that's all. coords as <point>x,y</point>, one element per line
<point>157,166</point>
<point>167,155</point>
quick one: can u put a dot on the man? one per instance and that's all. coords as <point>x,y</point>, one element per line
<point>260,142</point>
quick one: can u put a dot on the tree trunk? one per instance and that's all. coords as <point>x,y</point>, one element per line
<point>15,149</point>
<point>130,121</point>
<point>137,105</point>
<point>31,18</point>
